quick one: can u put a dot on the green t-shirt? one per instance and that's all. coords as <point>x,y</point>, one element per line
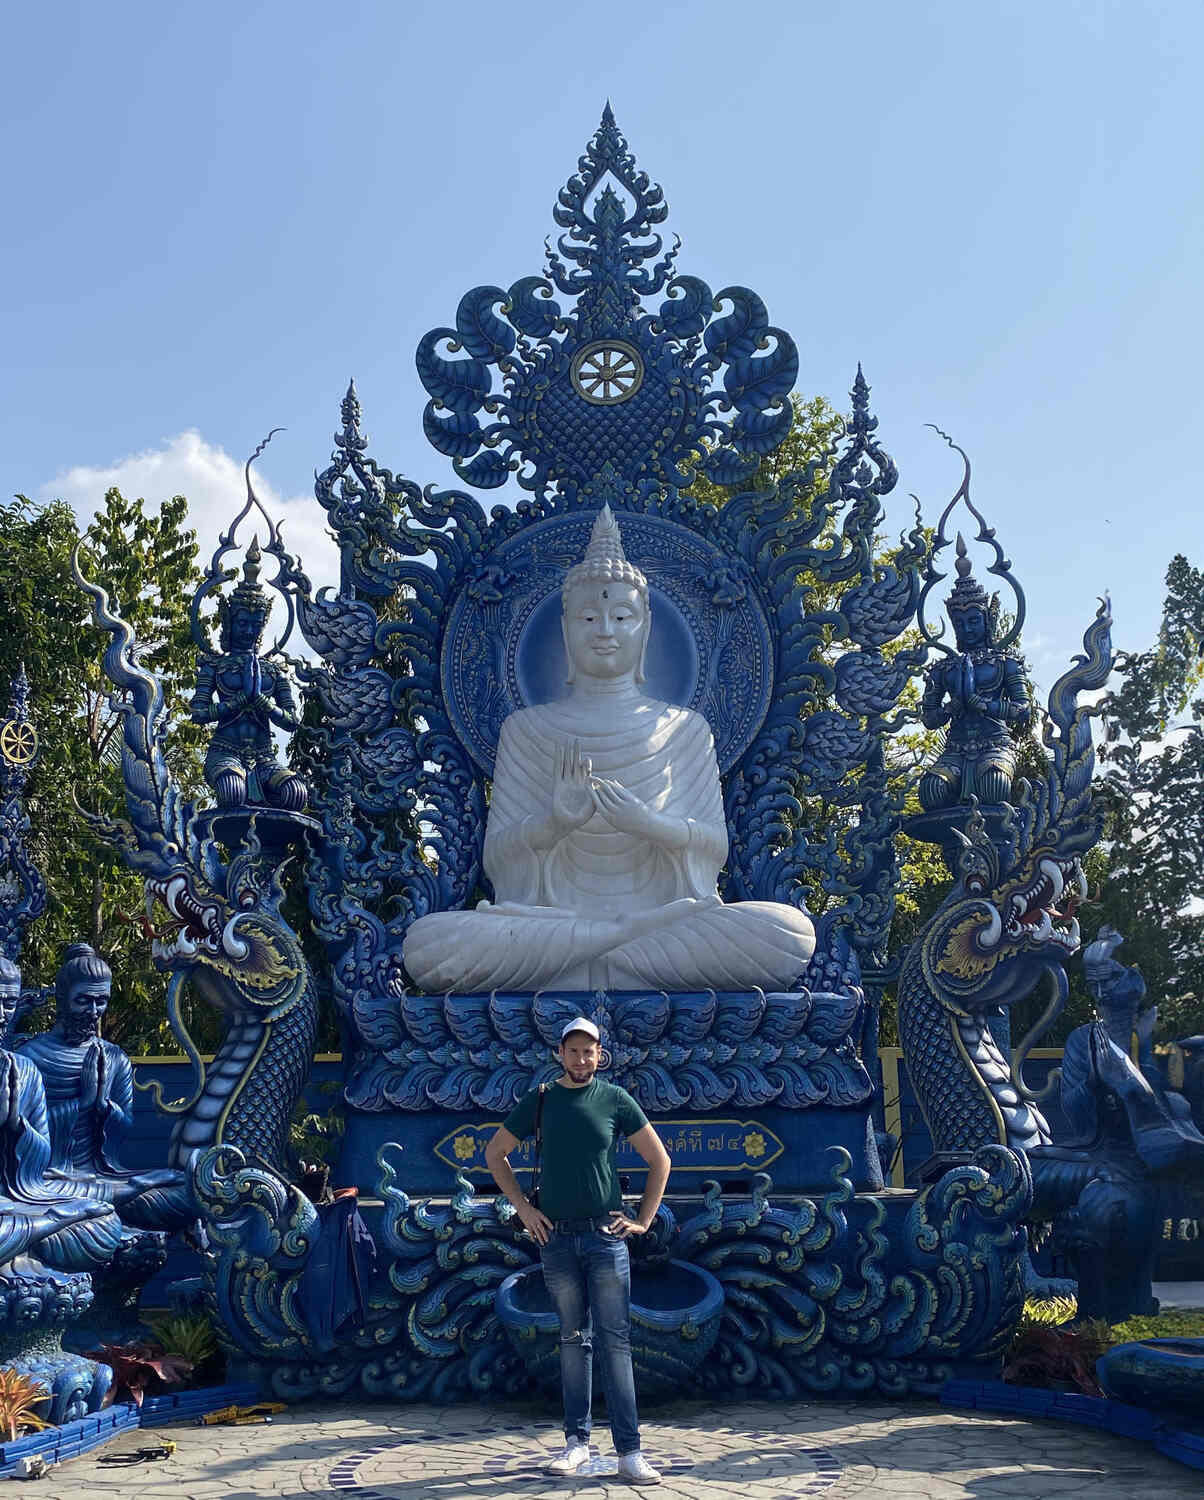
<point>581,1133</point>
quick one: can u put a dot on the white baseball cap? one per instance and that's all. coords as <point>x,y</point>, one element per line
<point>580,1023</point>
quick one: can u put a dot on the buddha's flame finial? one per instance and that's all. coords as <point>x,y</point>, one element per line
<point>605,540</point>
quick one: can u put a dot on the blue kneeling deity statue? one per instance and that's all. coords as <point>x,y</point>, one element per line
<point>89,1092</point>
<point>606,832</point>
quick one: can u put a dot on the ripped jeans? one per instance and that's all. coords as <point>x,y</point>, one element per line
<point>588,1276</point>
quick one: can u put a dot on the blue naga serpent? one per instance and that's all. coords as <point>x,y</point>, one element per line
<point>224,933</point>
<point>1008,923</point>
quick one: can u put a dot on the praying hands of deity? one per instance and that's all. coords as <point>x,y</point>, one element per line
<point>11,1122</point>
<point>93,1086</point>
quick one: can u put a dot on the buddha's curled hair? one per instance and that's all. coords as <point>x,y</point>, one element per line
<point>605,561</point>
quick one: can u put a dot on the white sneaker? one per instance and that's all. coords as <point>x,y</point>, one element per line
<point>636,1469</point>
<point>571,1458</point>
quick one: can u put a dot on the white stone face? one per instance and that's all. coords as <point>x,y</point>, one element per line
<point>605,628</point>
<point>606,835</point>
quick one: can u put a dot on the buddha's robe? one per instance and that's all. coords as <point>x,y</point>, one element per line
<point>57,1223</point>
<point>85,1139</point>
<point>603,908</point>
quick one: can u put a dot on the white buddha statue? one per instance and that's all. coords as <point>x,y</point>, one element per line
<point>606,832</point>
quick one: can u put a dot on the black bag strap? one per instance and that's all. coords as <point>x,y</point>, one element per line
<point>534,1191</point>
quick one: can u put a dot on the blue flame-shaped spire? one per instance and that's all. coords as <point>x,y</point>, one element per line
<point>607,384</point>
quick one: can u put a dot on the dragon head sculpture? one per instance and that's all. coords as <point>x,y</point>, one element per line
<point>223,930</point>
<point>1000,929</point>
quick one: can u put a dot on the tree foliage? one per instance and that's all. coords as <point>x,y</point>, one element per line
<point>147,562</point>
<point>1148,875</point>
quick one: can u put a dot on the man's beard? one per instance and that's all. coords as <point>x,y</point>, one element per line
<point>77,1029</point>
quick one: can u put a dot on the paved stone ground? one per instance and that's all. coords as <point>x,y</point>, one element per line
<point>753,1452</point>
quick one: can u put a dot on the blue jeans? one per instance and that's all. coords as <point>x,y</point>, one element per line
<point>588,1276</point>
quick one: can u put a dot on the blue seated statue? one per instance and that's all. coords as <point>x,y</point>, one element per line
<point>89,1087</point>
<point>58,1223</point>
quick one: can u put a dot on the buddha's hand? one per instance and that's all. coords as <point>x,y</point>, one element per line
<point>624,811</point>
<point>572,800</point>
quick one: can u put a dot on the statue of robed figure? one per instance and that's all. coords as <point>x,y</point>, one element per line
<point>606,832</point>
<point>89,1097</point>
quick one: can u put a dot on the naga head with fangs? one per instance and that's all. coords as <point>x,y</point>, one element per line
<point>1000,928</point>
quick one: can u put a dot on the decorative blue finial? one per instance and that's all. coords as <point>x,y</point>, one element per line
<point>1000,566</point>
<point>22,889</point>
<point>650,395</point>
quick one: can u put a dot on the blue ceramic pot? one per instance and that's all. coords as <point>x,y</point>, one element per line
<point>1165,1374</point>
<point>675,1313</point>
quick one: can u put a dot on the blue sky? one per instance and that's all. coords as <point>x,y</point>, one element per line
<point>217,214</point>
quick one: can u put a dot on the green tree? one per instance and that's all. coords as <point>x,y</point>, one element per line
<point>1147,877</point>
<point>148,564</point>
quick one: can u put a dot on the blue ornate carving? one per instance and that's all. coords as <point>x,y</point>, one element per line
<point>37,1306</point>
<point>606,383</point>
<point>421,652</point>
<point>412,705</point>
<point>818,1295</point>
<point>223,930</point>
<point>22,889</point>
<point>1008,922</point>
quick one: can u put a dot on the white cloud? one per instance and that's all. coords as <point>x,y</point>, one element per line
<point>213,483</point>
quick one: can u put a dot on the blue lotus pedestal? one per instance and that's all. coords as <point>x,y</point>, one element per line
<point>37,1306</point>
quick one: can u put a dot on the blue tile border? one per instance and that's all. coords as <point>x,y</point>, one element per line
<point>1100,1412</point>
<point>58,1444</point>
<point>182,1406</point>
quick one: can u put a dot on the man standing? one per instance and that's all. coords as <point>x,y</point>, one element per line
<point>581,1230</point>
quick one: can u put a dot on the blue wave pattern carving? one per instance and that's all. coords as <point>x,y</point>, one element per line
<point>818,1296</point>
<point>818,1300</point>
